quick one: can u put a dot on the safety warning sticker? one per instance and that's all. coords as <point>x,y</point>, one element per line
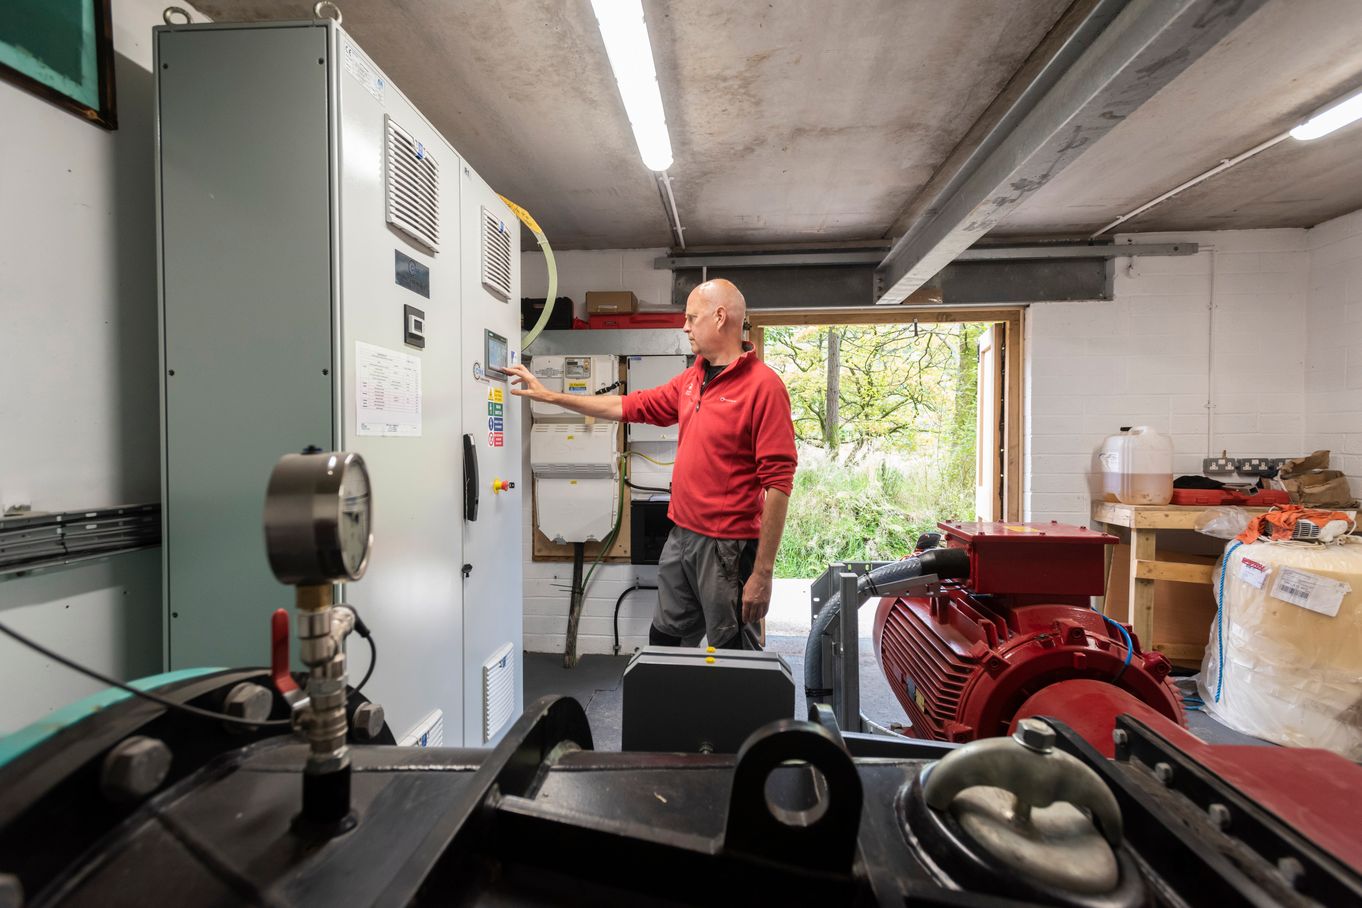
<point>1253,573</point>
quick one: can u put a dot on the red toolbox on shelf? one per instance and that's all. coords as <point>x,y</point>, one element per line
<point>1213,497</point>
<point>639,320</point>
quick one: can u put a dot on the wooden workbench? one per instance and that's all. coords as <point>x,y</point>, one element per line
<point>1144,522</point>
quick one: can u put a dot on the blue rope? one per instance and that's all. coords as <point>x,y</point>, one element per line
<point>1130,646</point>
<point>1219,632</point>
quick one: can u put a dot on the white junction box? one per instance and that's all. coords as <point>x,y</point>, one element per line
<point>334,273</point>
<point>651,372</point>
<point>575,460</point>
<point>576,510</point>
<point>575,450</point>
<point>652,449</point>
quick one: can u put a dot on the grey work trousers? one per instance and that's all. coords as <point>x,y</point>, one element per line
<point>699,590</point>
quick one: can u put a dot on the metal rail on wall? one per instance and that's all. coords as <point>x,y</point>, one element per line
<point>30,541</point>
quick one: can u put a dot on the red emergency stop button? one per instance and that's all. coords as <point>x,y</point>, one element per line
<point>501,485</point>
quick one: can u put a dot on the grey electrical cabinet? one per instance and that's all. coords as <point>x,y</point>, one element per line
<point>334,274</point>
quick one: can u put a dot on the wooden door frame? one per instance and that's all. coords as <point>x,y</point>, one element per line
<point>1012,340</point>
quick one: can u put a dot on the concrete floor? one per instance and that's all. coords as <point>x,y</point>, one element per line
<point>595,682</point>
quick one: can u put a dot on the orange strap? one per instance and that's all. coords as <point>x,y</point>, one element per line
<point>1279,524</point>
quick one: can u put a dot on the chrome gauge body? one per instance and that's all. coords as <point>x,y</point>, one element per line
<point>318,518</point>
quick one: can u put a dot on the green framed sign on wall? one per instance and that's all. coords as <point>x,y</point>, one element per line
<point>61,51</point>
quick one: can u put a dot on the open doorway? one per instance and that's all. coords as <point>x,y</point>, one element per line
<point>902,419</point>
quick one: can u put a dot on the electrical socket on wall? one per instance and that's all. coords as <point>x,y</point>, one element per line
<point>1251,466</point>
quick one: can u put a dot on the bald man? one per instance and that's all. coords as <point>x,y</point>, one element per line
<point>734,470</point>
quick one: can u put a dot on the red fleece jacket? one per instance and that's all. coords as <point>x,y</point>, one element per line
<point>736,441</point>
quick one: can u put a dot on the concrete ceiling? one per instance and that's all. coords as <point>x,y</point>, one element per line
<point>791,120</point>
<point>796,121</point>
<point>1282,64</point>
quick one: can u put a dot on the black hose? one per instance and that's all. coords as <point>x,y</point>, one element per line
<point>946,564</point>
<point>618,603</point>
<point>574,605</point>
<point>646,488</point>
<point>369,672</point>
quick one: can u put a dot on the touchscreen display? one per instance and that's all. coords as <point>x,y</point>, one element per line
<point>495,356</point>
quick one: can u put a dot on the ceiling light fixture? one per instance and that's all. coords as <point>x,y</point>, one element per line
<point>631,57</point>
<point>1335,116</point>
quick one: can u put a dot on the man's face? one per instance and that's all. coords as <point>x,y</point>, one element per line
<point>702,325</point>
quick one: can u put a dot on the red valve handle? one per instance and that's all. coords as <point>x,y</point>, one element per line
<point>279,671</point>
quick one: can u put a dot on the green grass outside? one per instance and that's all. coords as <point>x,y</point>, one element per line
<point>870,511</point>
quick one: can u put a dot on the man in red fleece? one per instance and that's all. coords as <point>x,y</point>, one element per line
<point>735,465</point>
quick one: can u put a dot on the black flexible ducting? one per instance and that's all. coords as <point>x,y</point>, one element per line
<point>946,564</point>
<point>618,603</point>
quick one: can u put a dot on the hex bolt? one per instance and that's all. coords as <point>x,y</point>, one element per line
<point>1292,871</point>
<point>1219,815</point>
<point>134,768</point>
<point>11,891</point>
<point>249,701</point>
<point>1033,734</point>
<point>368,721</point>
<point>1163,772</point>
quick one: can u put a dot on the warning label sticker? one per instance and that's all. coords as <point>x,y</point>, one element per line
<point>1253,573</point>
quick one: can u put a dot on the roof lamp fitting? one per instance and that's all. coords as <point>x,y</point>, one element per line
<point>631,57</point>
<point>1335,116</point>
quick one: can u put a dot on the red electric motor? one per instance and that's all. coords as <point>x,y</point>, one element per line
<point>964,659</point>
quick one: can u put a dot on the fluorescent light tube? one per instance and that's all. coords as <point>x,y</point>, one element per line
<point>631,57</point>
<point>1335,116</point>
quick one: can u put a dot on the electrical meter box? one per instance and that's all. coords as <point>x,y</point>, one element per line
<point>585,375</point>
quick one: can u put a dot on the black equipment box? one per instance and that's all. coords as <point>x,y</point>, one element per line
<point>689,700</point>
<point>649,527</point>
<point>559,320</point>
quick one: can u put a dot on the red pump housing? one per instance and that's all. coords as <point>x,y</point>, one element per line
<point>963,659</point>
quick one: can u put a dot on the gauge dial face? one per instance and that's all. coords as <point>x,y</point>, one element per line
<point>354,527</point>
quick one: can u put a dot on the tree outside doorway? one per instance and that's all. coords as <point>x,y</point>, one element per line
<point>885,422</point>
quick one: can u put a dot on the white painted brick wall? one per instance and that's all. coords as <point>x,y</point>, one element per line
<point>1148,357</point>
<point>601,269</point>
<point>1333,374</point>
<point>547,583</point>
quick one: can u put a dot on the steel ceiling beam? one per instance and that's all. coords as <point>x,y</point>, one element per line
<point>1098,79</point>
<point>978,254</point>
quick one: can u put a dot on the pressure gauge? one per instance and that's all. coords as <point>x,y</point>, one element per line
<point>318,518</point>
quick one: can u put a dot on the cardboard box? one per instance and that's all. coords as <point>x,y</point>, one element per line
<point>610,302</point>
<point>1184,613</point>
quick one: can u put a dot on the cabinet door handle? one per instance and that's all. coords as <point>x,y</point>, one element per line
<point>470,478</point>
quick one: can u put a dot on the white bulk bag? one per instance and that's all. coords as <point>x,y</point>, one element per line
<point>1291,626</point>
